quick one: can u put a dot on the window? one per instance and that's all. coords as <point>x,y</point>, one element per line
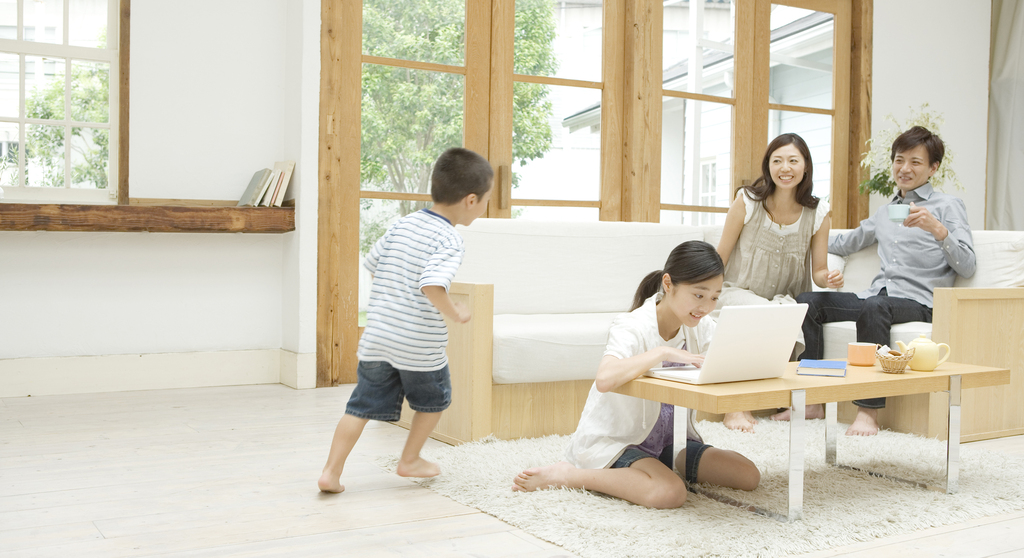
<point>58,115</point>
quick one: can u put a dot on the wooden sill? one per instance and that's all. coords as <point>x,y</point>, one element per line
<point>145,218</point>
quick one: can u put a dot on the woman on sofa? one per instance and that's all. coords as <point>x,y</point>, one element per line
<point>623,445</point>
<point>775,239</point>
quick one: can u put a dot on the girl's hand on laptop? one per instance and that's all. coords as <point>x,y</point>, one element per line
<point>682,357</point>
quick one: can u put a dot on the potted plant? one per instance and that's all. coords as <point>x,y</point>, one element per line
<point>878,164</point>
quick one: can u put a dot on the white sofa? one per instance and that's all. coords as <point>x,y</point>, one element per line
<point>544,293</point>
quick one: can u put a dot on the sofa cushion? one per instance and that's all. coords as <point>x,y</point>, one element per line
<point>540,267</point>
<point>1000,256</point>
<point>548,347</point>
<point>839,334</point>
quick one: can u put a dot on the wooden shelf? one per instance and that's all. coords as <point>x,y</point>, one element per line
<point>145,218</point>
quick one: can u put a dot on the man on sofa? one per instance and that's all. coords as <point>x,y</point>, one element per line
<point>928,249</point>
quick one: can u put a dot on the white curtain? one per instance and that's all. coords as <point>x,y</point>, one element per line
<point>1005,192</point>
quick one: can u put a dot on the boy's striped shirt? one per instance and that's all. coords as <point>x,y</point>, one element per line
<point>402,327</point>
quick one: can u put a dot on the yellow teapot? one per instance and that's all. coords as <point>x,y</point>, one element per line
<point>926,353</point>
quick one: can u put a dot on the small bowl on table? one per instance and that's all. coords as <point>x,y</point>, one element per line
<point>895,362</point>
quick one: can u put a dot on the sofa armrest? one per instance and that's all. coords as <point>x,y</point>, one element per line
<point>470,350</point>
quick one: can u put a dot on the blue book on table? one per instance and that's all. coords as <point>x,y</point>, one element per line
<point>835,368</point>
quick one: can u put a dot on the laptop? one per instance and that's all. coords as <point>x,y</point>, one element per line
<point>750,343</point>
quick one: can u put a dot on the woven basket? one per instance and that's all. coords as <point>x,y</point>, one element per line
<point>895,364</point>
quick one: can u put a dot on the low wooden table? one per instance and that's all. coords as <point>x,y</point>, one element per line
<point>791,390</point>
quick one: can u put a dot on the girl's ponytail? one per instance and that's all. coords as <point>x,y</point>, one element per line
<point>691,262</point>
<point>647,288</point>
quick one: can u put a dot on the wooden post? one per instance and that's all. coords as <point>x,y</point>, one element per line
<point>641,157</point>
<point>860,110</point>
<point>124,80</point>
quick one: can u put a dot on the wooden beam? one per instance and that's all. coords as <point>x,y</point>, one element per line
<point>138,218</point>
<point>124,80</point>
<point>641,168</point>
<point>499,151</point>
<point>860,110</point>
<point>338,180</point>
<point>841,77</point>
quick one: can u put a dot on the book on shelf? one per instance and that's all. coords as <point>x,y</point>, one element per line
<point>835,368</point>
<point>256,187</point>
<point>267,187</point>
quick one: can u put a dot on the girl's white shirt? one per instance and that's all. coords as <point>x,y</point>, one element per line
<point>611,421</point>
<point>819,216</point>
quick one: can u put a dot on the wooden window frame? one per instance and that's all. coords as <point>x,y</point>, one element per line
<point>142,214</point>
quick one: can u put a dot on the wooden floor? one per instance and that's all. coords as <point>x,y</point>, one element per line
<point>232,472</point>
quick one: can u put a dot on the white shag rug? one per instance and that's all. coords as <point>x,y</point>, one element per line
<point>841,506</point>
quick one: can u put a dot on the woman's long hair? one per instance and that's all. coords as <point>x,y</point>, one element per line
<point>691,262</point>
<point>764,186</point>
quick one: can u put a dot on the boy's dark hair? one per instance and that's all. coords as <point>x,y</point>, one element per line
<point>764,186</point>
<point>459,172</point>
<point>919,135</point>
<point>691,262</point>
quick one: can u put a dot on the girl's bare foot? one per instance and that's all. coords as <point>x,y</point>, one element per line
<point>539,478</point>
<point>866,423</point>
<point>330,483</point>
<point>810,412</point>
<point>420,468</point>
<point>742,421</point>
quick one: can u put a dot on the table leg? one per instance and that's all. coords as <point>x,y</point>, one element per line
<point>953,440</point>
<point>831,428</point>
<point>797,437</point>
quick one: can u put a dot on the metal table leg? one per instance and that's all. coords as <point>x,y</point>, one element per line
<point>797,438</point>
<point>831,429</point>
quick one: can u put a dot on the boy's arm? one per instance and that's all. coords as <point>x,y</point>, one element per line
<point>438,296</point>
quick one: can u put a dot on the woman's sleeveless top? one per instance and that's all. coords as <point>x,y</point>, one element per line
<point>768,263</point>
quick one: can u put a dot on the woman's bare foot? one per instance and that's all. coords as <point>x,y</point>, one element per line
<point>866,423</point>
<point>742,421</point>
<point>421,468</point>
<point>810,412</point>
<point>330,483</point>
<point>538,478</point>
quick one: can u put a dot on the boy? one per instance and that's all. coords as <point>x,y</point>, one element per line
<point>402,350</point>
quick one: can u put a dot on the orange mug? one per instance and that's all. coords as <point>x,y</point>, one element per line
<point>861,354</point>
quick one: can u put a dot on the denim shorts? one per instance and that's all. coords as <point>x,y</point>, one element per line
<point>381,388</point>
<point>694,451</point>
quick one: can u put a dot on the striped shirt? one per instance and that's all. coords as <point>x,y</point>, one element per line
<point>402,327</point>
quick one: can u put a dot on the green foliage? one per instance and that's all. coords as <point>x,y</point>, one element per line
<point>44,145</point>
<point>877,160</point>
<point>410,116</point>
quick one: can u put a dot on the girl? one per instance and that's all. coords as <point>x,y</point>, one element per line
<point>623,445</point>
<point>775,241</point>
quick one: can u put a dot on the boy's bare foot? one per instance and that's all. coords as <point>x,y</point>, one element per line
<point>742,421</point>
<point>421,468</point>
<point>330,483</point>
<point>866,423</point>
<point>539,478</point>
<point>810,412</point>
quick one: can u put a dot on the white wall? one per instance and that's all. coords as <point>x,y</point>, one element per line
<point>937,52</point>
<point>218,90</point>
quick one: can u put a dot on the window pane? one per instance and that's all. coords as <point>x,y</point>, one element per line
<point>409,117</point>
<point>537,213</point>
<point>44,87</point>
<point>801,57</point>
<point>554,38</point>
<point>420,30</point>
<point>9,154</point>
<point>87,23</point>
<point>816,130</point>
<point>696,153</point>
<point>691,218</point>
<point>697,46</point>
<point>44,156</point>
<point>9,88</point>
<point>556,142</point>
<point>8,19</point>
<point>44,21</point>
<point>90,158</point>
<point>90,100</point>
